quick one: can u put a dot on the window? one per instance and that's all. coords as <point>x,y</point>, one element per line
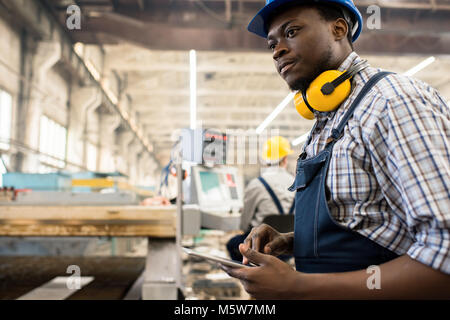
<point>4,162</point>
<point>5,119</point>
<point>91,157</point>
<point>52,143</point>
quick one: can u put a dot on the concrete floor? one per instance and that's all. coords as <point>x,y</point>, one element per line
<point>116,263</point>
<point>113,276</point>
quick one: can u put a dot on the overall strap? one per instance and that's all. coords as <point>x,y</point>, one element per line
<point>291,210</point>
<point>308,140</point>
<point>272,194</point>
<point>337,132</point>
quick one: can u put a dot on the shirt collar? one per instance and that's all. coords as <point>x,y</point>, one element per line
<point>352,59</point>
<point>272,169</point>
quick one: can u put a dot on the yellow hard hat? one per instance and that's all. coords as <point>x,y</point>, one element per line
<point>276,148</point>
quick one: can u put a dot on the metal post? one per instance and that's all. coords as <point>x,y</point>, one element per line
<point>179,226</point>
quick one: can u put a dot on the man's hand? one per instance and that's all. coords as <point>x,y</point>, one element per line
<point>401,278</point>
<point>271,279</point>
<point>155,201</point>
<point>267,240</point>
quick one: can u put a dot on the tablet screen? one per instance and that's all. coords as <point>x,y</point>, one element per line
<point>224,261</point>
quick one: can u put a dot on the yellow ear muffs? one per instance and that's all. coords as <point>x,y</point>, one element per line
<point>324,94</point>
<point>327,91</point>
<point>322,100</point>
<point>301,107</point>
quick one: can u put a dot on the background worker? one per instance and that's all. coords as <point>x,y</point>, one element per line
<point>373,181</point>
<point>267,194</point>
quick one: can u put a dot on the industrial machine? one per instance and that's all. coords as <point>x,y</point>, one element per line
<point>218,192</point>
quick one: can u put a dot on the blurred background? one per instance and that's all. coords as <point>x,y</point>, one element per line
<point>94,95</point>
<point>111,95</point>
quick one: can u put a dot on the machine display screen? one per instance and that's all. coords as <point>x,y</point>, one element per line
<point>210,182</point>
<point>231,184</point>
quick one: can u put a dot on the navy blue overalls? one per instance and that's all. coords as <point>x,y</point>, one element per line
<point>321,245</point>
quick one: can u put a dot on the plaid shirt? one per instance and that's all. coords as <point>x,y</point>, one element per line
<point>389,174</point>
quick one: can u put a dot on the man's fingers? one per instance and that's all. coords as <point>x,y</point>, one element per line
<point>234,272</point>
<point>244,258</point>
<point>276,246</point>
<point>252,255</point>
<point>256,241</point>
<point>248,240</point>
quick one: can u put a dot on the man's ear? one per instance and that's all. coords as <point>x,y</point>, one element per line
<point>340,29</point>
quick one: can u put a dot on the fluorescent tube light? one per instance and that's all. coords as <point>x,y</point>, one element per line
<point>275,113</point>
<point>193,87</point>
<point>300,139</point>
<point>420,66</point>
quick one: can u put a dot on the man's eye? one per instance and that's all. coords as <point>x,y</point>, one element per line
<point>291,32</point>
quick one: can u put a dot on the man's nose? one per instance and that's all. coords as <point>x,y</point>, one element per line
<point>280,50</point>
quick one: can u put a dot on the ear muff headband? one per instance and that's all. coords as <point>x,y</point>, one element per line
<point>329,87</point>
<point>305,100</point>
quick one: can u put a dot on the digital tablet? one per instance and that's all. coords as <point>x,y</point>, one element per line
<point>224,261</point>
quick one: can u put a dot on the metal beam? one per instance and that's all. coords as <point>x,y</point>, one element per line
<point>145,110</point>
<point>178,122</point>
<point>360,3</point>
<point>432,5</point>
<point>139,94</point>
<point>401,27</point>
<point>116,63</point>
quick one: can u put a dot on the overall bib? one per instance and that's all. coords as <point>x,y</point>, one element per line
<point>321,245</point>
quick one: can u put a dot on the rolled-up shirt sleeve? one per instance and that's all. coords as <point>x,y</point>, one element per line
<point>413,134</point>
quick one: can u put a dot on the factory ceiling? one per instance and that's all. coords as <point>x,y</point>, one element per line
<point>407,26</point>
<point>146,44</point>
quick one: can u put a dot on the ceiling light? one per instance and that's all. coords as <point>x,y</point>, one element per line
<point>110,95</point>
<point>275,113</point>
<point>420,66</point>
<point>193,87</point>
<point>79,48</point>
<point>300,139</point>
<point>93,70</point>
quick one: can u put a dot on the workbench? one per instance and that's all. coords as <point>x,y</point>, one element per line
<point>158,223</point>
<point>114,221</point>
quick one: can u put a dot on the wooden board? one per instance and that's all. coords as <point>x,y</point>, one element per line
<point>88,221</point>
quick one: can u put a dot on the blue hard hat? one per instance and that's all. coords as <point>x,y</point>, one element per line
<point>258,23</point>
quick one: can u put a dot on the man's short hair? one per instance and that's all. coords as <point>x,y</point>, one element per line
<point>275,163</point>
<point>328,11</point>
